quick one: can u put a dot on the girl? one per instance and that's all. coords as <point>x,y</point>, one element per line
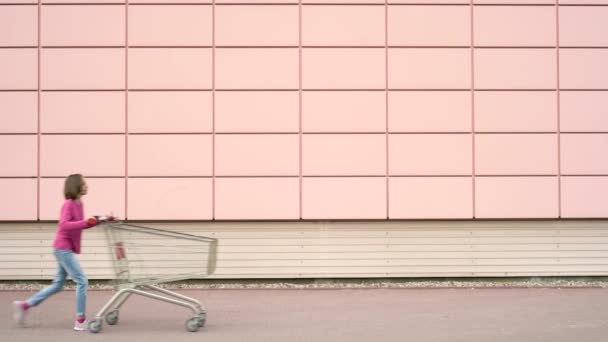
<point>65,248</point>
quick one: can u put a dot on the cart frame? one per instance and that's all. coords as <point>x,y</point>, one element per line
<point>128,285</point>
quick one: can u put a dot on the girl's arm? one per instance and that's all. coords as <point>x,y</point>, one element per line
<point>65,221</point>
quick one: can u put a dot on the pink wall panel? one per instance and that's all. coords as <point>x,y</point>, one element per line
<point>344,154</point>
<point>82,112</point>
<point>341,25</point>
<point>257,111</point>
<point>169,199</point>
<point>19,2</point>
<point>515,26</point>
<point>16,198</point>
<point>240,2</point>
<point>83,25</point>
<point>430,154</point>
<point>516,154</point>
<point>18,154</point>
<point>92,69</point>
<point>516,197</point>
<point>430,197</point>
<point>584,2</point>
<point>429,111</point>
<point>91,155</point>
<point>170,112</point>
<point>515,2</point>
<point>256,25</point>
<point>432,2</point>
<point>19,112</point>
<point>105,196</point>
<point>256,68</point>
<point>584,111</point>
<point>170,155</point>
<point>515,111</point>
<point>343,111</point>
<point>259,93</point>
<point>583,26</point>
<point>429,68</point>
<point>515,69</point>
<point>583,68</point>
<point>584,154</point>
<point>257,199</point>
<point>584,197</point>
<point>343,68</point>
<point>429,25</point>
<point>18,25</point>
<point>257,155</point>
<point>344,198</point>
<point>366,2</point>
<point>83,1</point>
<point>163,1</point>
<point>19,69</point>
<point>181,25</point>
<point>170,68</point>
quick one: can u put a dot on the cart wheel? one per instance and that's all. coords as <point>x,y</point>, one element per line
<point>112,317</point>
<point>201,321</point>
<point>192,324</point>
<point>202,318</point>
<point>95,326</point>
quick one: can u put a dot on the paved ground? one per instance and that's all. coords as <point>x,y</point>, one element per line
<point>417,315</point>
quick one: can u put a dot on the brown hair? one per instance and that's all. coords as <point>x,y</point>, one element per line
<point>73,186</point>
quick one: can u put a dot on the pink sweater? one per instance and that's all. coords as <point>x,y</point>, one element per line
<point>71,224</point>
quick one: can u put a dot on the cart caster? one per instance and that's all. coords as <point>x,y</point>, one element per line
<point>202,319</point>
<point>192,324</point>
<point>95,326</point>
<point>112,317</point>
<point>201,322</point>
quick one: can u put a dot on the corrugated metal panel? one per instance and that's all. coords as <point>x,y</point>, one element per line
<point>345,249</point>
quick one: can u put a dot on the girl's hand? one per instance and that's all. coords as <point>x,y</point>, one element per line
<point>92,222</point>
<point>105,218</point>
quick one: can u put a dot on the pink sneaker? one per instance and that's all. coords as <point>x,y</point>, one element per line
<point>19,312</point>
<point>84,326</point>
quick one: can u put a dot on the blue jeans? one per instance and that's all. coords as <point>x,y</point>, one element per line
<point>67,264</point>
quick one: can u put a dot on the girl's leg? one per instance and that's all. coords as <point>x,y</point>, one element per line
<point>20,308</point>
<point>72,267</point>
<point>50,290</point>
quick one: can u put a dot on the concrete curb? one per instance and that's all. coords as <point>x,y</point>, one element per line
<point>381,283</point>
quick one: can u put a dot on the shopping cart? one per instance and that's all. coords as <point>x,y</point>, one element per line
<point>144,257</point>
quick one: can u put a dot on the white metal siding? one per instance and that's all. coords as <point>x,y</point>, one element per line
<point>347,249</point>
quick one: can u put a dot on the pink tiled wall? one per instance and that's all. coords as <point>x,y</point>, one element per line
<point>310,109</point>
